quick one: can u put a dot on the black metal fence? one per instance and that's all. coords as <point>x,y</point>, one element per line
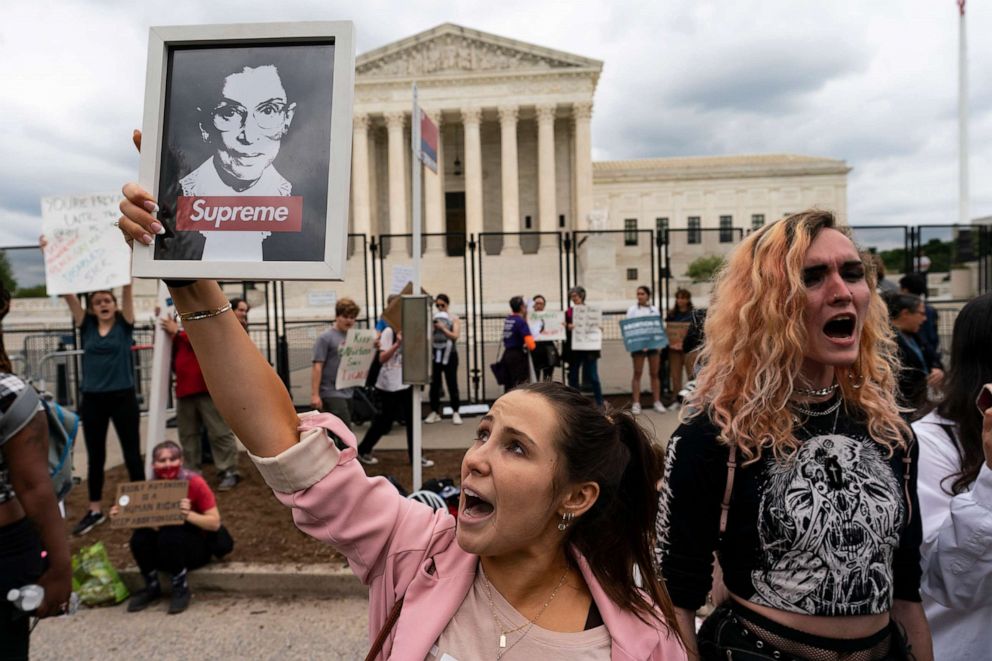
<point>481,272</point>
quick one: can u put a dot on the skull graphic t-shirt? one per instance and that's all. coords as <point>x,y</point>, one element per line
<point>828,531</point>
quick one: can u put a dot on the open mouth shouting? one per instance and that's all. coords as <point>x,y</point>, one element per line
<point>840,329</point>
<point>474,507</point>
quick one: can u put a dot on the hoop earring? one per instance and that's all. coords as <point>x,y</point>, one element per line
<point>566,520</point>
<point>851,378</point>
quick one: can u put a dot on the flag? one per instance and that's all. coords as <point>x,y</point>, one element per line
<point>428,141</point>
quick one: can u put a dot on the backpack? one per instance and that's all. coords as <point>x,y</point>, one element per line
<point>63,425</point>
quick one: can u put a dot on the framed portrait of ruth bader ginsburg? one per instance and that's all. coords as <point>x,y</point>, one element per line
<point>246,146</point>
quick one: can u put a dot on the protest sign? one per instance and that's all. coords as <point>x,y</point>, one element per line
<point>643,333</point>
<point>550,322</point>
<point>393,314</point>
<point>587,334</point>
<point>356,355</point>
<point>150,504</point>
<point>676,331</point>
<point>83,251</point>
<point>402,276</point>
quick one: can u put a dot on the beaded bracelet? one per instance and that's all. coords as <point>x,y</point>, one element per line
<point>204,314</point>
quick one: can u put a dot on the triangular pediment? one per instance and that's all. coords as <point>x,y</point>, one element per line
<point>453,50</point>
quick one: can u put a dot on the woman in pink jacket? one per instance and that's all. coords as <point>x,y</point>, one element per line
<point>556,519</point>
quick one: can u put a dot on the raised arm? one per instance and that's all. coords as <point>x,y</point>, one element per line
<point>78,313</point>
<point>127,304</point>
<point>247,392</point>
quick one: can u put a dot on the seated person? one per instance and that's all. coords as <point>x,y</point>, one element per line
<point>174,549</point>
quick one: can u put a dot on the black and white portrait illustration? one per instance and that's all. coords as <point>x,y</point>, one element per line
<point>246,153</point>
<point>829,522</point>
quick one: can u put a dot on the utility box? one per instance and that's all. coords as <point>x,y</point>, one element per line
<point>417,331</point>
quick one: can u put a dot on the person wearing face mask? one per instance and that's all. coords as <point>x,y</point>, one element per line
<point>108,389</point>
<point>174,549</point>
<point>920,366</point>
<point>550,556</point>
<point>793,463</point>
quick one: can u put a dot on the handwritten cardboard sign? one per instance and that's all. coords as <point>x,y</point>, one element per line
<point>84,251</point>
<point>587,334</point>
<point>150,504</point>
<point>356,354</point>
<point>643,333</point>
<point>550,322</point>
<point>393,314</point>
<point>676,333</point>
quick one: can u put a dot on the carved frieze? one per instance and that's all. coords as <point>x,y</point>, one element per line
<point>455,53</point>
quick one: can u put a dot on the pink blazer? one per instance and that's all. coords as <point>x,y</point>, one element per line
<point>401,547</point>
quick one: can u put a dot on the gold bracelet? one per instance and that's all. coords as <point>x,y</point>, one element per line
<point>203,314</point>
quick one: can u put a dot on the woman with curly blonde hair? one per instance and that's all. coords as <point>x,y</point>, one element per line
<point>818,534</point>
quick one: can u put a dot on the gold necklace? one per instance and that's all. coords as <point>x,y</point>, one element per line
<point>503,649</point>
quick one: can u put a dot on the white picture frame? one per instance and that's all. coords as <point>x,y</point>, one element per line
<point>290,58</point>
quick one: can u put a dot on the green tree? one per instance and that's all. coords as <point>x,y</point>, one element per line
<point>7,273</point>
<point>704,268</point>
<point>38,291</point>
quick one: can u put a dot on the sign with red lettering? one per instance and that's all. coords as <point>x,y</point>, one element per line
<point>241,214</point>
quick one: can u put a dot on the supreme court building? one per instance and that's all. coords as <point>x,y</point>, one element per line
<point>516,159</point>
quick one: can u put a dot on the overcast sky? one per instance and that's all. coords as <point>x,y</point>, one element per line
<point>874,84</point>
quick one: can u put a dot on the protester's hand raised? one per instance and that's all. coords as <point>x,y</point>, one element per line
<point>138,222</point>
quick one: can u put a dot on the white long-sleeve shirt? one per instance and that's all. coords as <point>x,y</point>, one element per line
<point>957,547</point>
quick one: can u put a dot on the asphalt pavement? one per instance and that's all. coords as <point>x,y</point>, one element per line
<point>216,626</point>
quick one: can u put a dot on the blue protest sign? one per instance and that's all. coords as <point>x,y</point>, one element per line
<point>642,333</point>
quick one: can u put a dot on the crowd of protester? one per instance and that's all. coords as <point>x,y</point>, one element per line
<point>826,495</point>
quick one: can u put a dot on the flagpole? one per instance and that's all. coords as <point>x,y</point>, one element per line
<point>417,170</point>
<point>963,211</point>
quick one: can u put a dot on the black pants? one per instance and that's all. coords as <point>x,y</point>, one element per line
<point>170,548</point>
<point>450,374</point>
<point>517,368</point>
<point>20,564</point>
<point>396,405</point>
<point>96,412</point>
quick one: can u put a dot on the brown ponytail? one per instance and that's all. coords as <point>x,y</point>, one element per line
<point>617,534</point>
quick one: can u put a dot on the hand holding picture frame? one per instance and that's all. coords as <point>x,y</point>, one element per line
<point>247,150</point>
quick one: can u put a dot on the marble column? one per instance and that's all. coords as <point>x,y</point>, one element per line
<point>360,174</point>
<point>546,196</point>
<point>471,118</point>
<point>509,182</point>
<point>582,115</point>
<point>434,193</point>
<point>397,169</point>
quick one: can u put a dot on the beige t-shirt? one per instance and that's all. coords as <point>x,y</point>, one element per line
<point>472,634</point>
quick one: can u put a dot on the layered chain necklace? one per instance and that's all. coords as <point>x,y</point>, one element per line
<point>526,626</point>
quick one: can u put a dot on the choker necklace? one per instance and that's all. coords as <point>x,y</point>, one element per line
<point>819,392</point>
<point>529,624</point>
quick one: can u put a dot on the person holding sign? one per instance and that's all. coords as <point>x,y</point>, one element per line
<point>444,359</point>
<point>107,334</point>
<point>173,549</point>
<point>643,308</point>
<point>581,359</point>
<point>324,393</point>
<point>546,356</point>
<point>677,320</point>
<point>550,554</point>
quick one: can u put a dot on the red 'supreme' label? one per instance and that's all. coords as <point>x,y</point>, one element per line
<point>239,213</point>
